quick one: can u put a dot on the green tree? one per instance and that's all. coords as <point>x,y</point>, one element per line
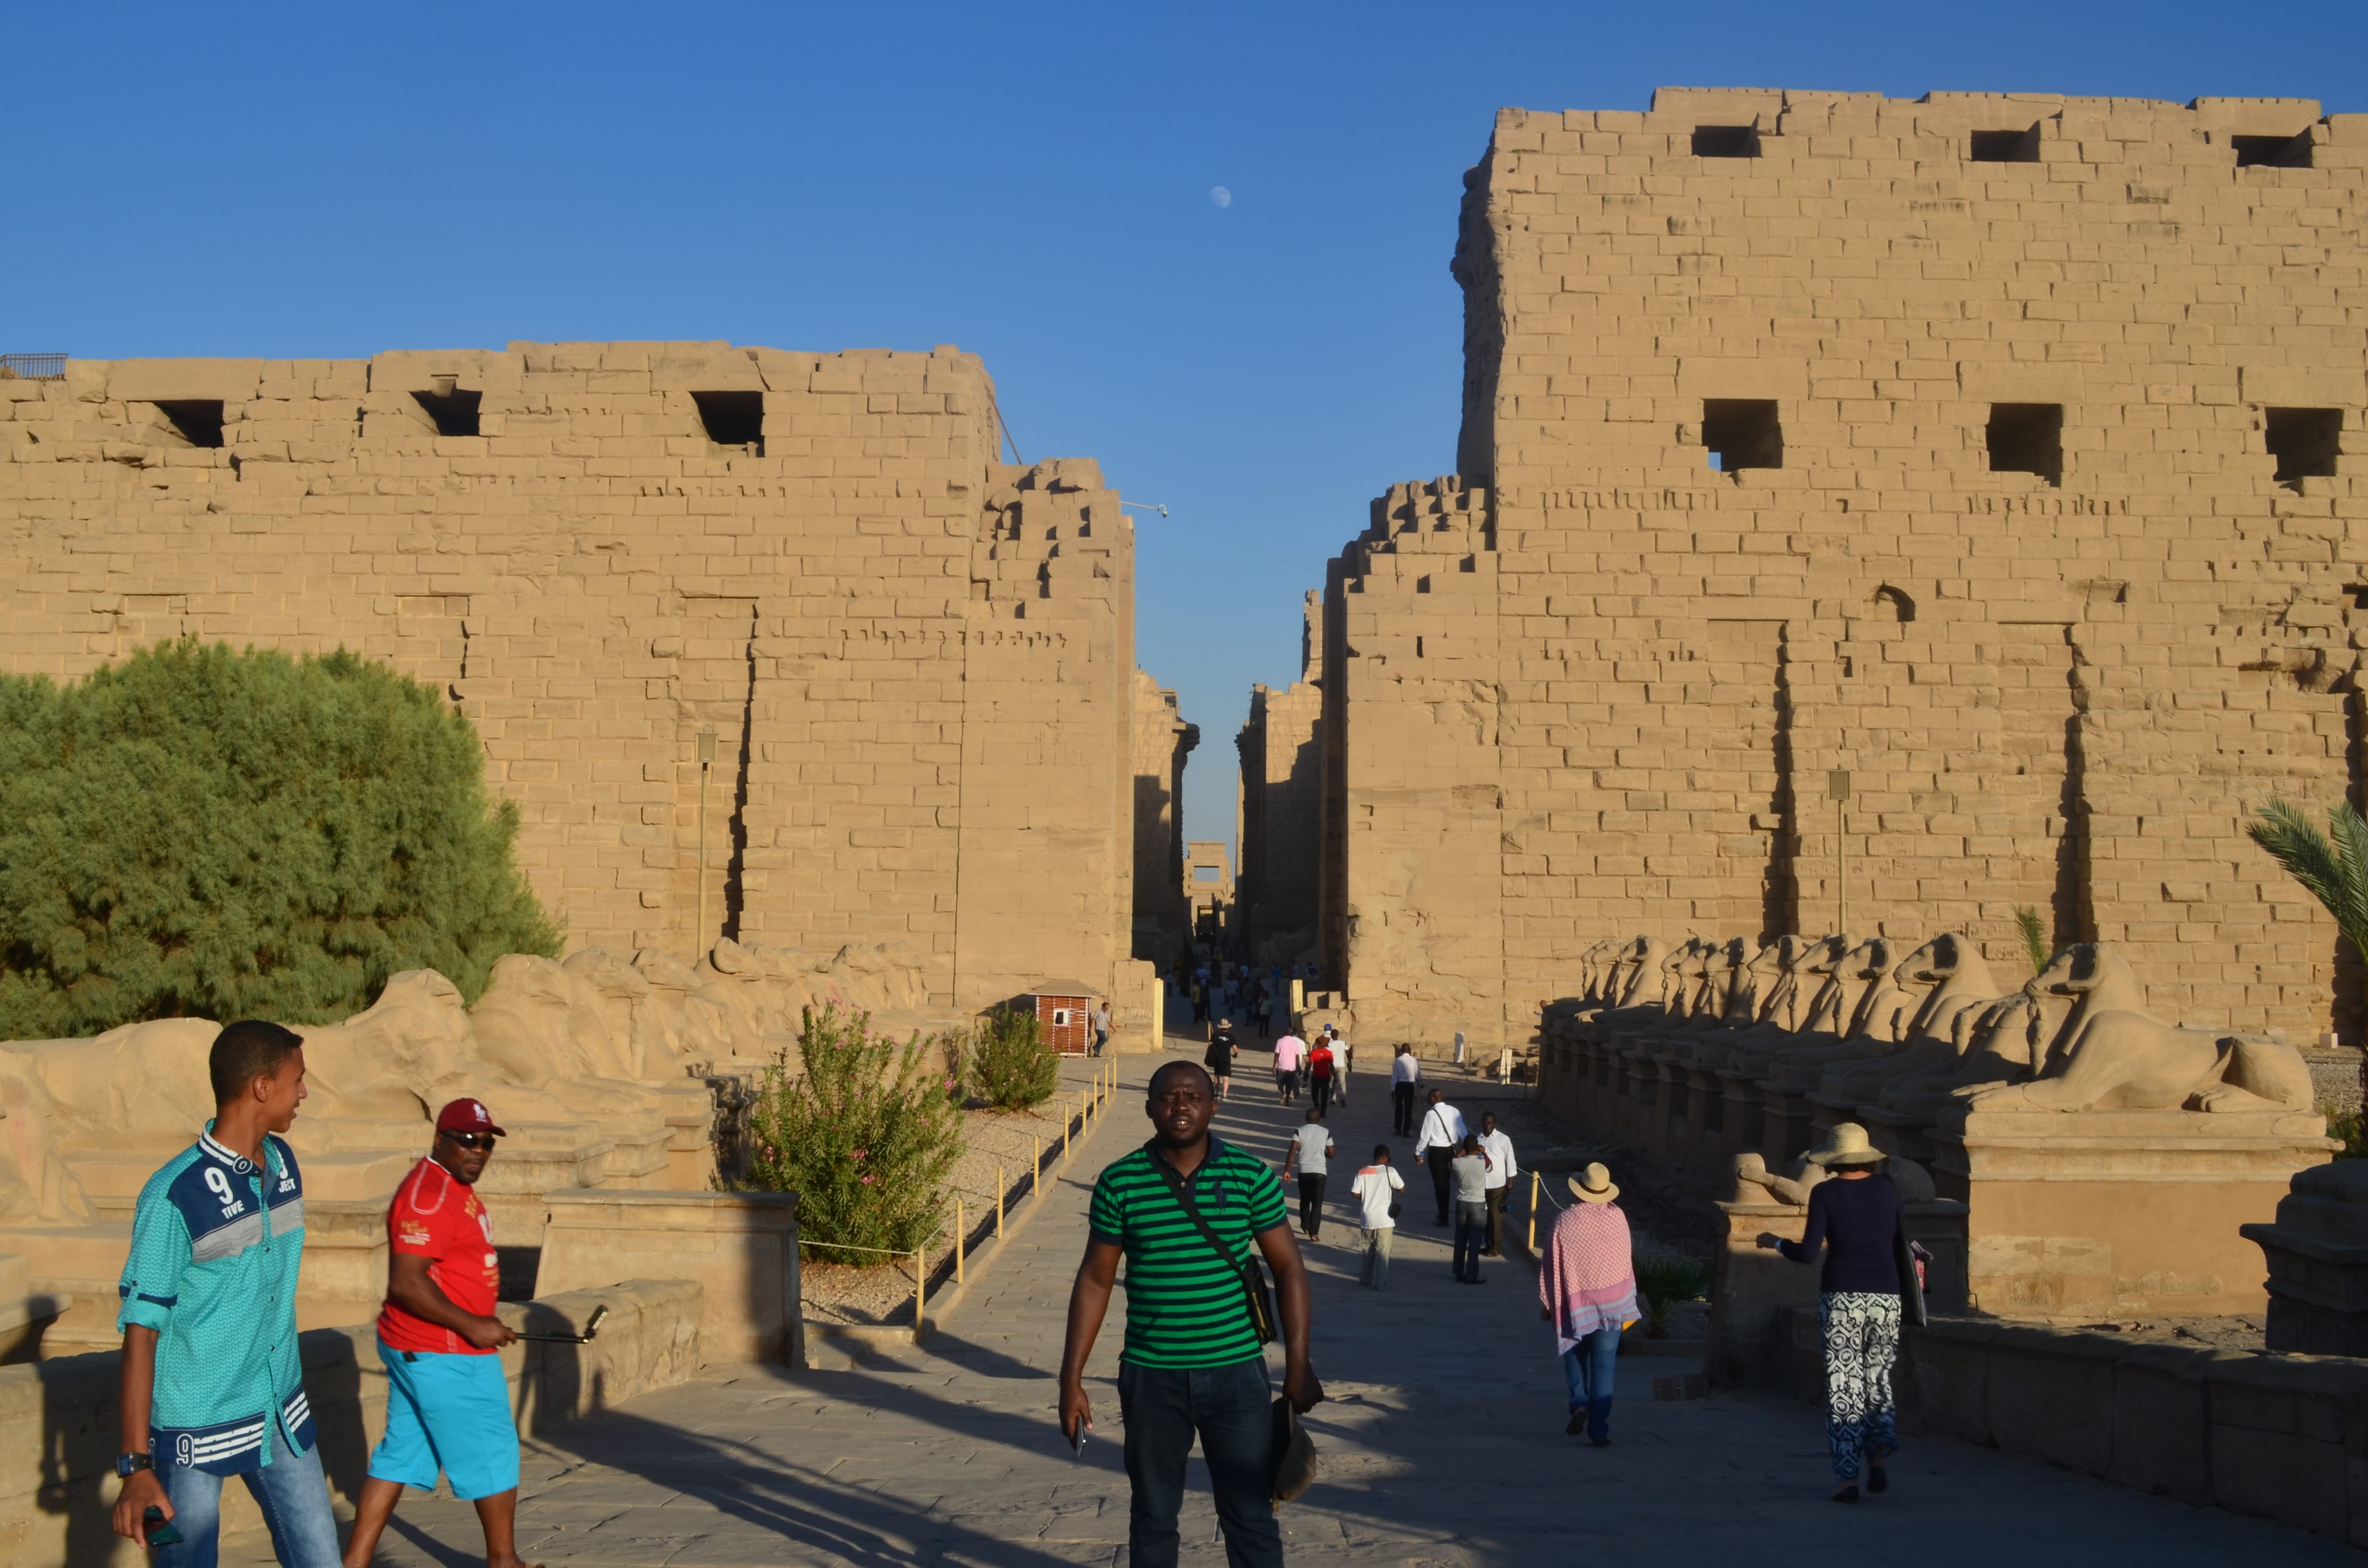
<point>865,1136</point>
<point>198,832</point>
<point>2334,869</point>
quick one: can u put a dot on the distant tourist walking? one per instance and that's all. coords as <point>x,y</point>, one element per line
<point>1339,1065</point>
<point>1586,1289</point>
<point>1469,1169</point>
<point>1858,1221</point>
<point>1101,1025</point>
<point>1183,1212</point>
<point>1319,1076</point>
<point>212,1385</point>
<point>1442,1130</point>
<point>1376,1189</point>
<point>1289,1052</point>
<point>1219,1058</point>
<point>1502,1169</point>
<point>1309,1157</point>
<point>1200,1001</point>
<point>1405,1075</point>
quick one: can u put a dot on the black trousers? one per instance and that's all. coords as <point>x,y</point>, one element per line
<point>1311,1202</point>
<point>1402,1109</point>
<point>1442,1178</point>
<point>1229,1409</point>
<point>1321,1089</point>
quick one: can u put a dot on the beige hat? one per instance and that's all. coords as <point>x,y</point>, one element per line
<point>1593,1185</point>
<point>1846,1146</point>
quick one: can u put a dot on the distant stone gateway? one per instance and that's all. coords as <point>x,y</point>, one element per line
<point>1985,461</point>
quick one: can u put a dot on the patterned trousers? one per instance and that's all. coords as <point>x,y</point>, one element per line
<point>1861,1331</point>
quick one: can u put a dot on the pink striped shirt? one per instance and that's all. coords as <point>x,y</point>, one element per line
<point>1589,1277</point>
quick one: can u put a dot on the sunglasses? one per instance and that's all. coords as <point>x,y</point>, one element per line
<point>471,1140</point>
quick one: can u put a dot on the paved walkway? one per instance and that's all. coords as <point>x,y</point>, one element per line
<point>1442,1444</point>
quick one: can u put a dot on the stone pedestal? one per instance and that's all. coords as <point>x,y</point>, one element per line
<point>741,1247</point>
<point>2317,1256</point>
<point>1788,1124</point>
<point>2092,1214</point>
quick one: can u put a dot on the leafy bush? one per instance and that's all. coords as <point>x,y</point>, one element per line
<point>201,832</point>
<point>865,1137</point>
<point>1012,1066</point>
<point>1662,1282</point>
<point>2350,1128</point>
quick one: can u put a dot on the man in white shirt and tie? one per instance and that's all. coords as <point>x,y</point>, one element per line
<point>1501,1171</point>
<point>1442,1130</point>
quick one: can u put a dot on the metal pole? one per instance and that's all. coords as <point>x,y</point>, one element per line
<point>998,1203</point>
<point>1533,1211</point>
<point>1036,1170</point>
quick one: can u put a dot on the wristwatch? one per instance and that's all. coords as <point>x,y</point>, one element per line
<point>127,1463</point>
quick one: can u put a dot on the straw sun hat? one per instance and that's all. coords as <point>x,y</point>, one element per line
<point>1593,1185</point>
<point>1846,1146</point>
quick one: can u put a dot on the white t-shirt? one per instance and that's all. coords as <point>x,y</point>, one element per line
<point>1308,1146</point>
<point>1374,1186</point>
<point>1340,1056</point>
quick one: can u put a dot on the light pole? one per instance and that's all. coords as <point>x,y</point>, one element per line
<point>1837,785</point>
<point>706,744</point>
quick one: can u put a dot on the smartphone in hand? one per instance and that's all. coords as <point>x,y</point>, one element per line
<point>158,1529</point>
<point>1077,1440</point>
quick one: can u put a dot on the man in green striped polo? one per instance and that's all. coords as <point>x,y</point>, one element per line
<point>1195,1361</point>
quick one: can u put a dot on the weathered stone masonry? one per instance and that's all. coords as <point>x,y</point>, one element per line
<point>2034,506</point>
<point>918,661</point>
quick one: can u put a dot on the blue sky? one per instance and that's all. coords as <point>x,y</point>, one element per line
<point>1031,182</point>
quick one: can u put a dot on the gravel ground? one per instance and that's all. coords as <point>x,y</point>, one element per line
<point>883,1293</point>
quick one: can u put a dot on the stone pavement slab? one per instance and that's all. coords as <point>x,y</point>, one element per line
<point>1442,1444</point>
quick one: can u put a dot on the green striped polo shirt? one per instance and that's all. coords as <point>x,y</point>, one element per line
<point>1184,1306</point>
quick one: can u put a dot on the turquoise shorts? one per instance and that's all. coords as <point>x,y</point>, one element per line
<point>449,1413</point>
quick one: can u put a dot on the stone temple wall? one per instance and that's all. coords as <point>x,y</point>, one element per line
<point>1282,806</point>
<point>2002,450</point>
<point>1163,918</point>
<point>917,660</point>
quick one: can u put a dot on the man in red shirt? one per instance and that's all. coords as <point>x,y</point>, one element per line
<point>447,1404</point>
<point>1319,1076</point>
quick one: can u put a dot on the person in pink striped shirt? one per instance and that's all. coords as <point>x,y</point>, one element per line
<point>1588,1290</point>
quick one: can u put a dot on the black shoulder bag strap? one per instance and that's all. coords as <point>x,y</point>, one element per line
<point>1255,1289</point>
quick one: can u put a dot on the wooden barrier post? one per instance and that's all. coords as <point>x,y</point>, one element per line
<point>1036,1170</point>
<point>960,1239</point>
<point>1533,1213</point>
<point>998,1203</point>
<point>920,1289</point>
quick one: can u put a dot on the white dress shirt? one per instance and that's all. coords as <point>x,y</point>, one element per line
<point>1442,1128</point>
<point>1499,1150</point>
<point>1406,1069</point>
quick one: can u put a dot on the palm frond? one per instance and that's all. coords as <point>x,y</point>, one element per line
<point>2333,871</point>
<point>2034,939</point>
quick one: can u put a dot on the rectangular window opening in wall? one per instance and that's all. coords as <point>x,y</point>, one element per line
<point>2027,437</point>
<point>1726,141</point>
<point>733,419</point>
<point>2273,151</point>
<point>1742,433</point>
<point>197,421</point>
<point>455,411</point>
<point>2302,440</point>
<point>2006,146</point>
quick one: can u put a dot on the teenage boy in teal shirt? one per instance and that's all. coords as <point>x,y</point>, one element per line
<point>212,1382</point>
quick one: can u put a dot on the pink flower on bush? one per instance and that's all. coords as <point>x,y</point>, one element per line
<point>867,1180</point>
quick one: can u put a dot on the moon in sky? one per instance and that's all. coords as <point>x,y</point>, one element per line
<point>1221,195</point>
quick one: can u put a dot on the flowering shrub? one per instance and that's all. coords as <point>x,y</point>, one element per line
<point>865,1137</point>
<point>1012,1066</point>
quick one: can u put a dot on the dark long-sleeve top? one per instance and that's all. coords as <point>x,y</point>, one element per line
<point>1855,1223</point>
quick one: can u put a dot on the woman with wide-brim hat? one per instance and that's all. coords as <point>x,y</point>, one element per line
<point>1586,1289</point>
<point>1856,1219</point>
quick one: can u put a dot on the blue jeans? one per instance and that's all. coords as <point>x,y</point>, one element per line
<point>295,1501</point>
<point>1232,1409</point>
<point>1470,1235</point>
<point>1587,1367</point>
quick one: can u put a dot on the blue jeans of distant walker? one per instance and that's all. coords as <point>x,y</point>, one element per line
<point>1471,1232</point>
<point>291,1492</point>
<point>1588,1367</point>
<point>1231,1408</point>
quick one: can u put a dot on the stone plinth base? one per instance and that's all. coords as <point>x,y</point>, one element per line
<point>2106,1213</point>
<point>2317,1256</point>
<point>741,1247</point>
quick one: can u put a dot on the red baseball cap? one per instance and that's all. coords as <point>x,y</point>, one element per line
<point>467,1115</point>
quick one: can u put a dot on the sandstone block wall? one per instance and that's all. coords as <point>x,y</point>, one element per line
<point>2001,449</point>
<point>917,660</point>
<point>1281,806</point>
<point>1162,742</point>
